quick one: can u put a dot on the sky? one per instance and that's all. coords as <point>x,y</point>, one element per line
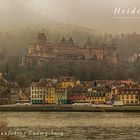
<point>95,14</point>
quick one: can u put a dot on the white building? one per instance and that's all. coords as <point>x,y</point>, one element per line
<point>38,92</point>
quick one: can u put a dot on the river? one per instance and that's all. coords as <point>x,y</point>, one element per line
<point>74,125</point>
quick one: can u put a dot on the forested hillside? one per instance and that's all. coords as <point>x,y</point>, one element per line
<point>14,44</point>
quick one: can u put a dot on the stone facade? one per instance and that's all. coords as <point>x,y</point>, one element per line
<point>42,48</point>
<point>67,49</point>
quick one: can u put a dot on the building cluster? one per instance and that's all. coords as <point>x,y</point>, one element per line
<point>67,49</point>
<point>11,93</point>
<point>68,90</point>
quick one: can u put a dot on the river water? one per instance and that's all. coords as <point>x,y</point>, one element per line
<point>74,125</point>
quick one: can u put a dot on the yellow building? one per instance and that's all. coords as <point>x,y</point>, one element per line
<point>96,97</point>
<point>66,84</point>
<point>50,95</point>
<point>112,94</point>
<point>129,97</point>
<point>42,93</point>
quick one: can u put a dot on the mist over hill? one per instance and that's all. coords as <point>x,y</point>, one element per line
<point>18,39</point>
<point>15,41</point>
<point>14,44</point>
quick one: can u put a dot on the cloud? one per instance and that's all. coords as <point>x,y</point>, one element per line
<point>92,13</point>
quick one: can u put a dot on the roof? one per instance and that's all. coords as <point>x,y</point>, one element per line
<point>37,84</point>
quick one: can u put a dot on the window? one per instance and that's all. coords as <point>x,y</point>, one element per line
<point>132,102</point>
<point>127,96</point>
<point>127,102</point>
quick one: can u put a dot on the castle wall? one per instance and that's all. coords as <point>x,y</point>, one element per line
<point>68,50</point>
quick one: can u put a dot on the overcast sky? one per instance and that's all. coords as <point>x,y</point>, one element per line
<point>96,14</point>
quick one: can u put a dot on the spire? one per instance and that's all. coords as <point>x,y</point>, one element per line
<point>63,40</point>
<point>41,38</point>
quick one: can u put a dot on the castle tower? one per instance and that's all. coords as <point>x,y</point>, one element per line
<point>41,38</point>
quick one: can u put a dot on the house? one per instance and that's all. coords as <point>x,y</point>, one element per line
<point>129,96</point>
<point>50,95</point>
<point>43,92</point>
<point>4,90</point>
<point>4,87</point>
<point>38,91</point>
<point>61,96</point>
<point>14,99</point>
<point>66,82</point>
<point>77,94</point>
<point>95,97</point>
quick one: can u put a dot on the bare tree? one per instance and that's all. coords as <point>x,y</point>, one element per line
<point>4,129</point>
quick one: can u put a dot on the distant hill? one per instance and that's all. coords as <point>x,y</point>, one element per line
<point>14,44</point>
<point>15,41</point>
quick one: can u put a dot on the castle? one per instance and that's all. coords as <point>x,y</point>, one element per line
<point>67,49</point>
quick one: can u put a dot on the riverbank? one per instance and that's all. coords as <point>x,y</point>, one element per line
<point>44,108</point>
